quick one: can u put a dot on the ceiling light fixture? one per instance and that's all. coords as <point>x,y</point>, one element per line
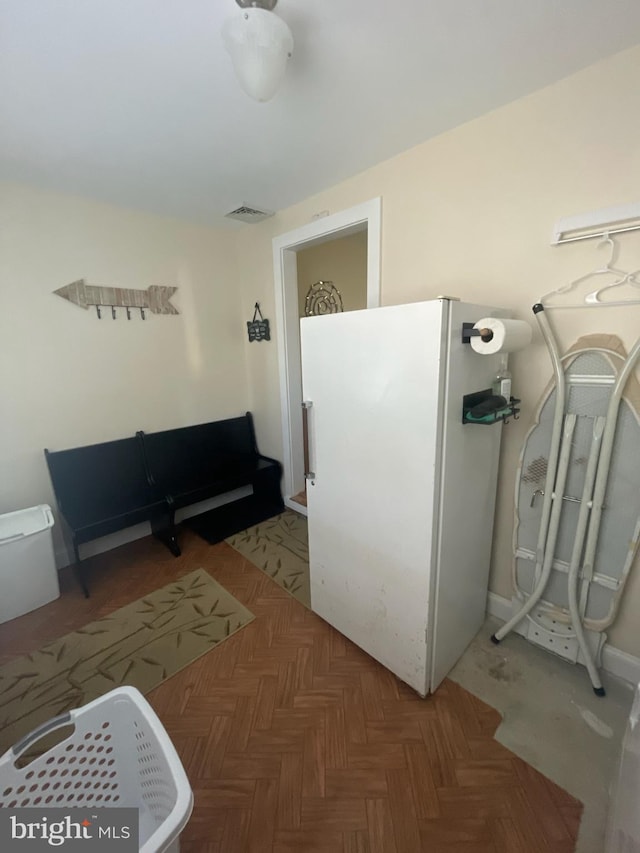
<point>260,43</point>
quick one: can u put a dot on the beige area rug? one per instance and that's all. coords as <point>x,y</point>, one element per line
<point>279,546</point>
<point>141,644</point>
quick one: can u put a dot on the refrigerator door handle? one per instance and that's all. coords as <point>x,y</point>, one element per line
<point>306,405</point>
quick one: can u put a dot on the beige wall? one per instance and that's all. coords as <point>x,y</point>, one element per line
<point>68,378</point>
<point>470,213</point>
<point>343,262</point>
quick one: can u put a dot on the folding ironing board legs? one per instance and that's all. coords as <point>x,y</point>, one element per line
<point>580,570</point>
<point>552,535</point>
<point>598,486</point>
<point>541,577</point>
<point>604,463</point>
<point>574,565</point>
<point>556,477</point>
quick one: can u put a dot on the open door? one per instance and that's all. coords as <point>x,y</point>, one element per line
<point>285,247</point>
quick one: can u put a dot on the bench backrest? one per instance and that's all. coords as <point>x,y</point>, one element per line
<point>100,481</point>
<point>185,458</point>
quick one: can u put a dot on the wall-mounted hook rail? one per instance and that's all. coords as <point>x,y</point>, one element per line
<point>156,298</point>
<point>598,223</point>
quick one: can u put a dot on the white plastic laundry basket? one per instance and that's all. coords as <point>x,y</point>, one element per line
<point>28,575</point>
<point>130,761</point>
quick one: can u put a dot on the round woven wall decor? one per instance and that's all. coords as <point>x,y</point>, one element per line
<point>323,297</point>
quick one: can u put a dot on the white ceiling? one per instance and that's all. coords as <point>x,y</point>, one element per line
<point>134,102</point>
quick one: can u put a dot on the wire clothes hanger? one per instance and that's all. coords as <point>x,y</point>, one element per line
<point>593,299</point>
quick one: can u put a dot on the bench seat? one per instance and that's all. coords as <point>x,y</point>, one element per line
<point>103,488</point>
<point>195,463</point>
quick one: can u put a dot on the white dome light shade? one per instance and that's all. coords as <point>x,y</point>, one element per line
<point>260,43</point>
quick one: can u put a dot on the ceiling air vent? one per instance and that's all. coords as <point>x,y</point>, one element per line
<point>246,213</point>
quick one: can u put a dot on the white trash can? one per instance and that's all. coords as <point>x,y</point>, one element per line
<point>28,574</point>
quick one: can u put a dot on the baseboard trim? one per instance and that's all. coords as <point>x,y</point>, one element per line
<point>622,664</point>
<point>614,661</point>
<point>498,606</point>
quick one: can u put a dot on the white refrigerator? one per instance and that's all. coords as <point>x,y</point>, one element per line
<point>400,492</point>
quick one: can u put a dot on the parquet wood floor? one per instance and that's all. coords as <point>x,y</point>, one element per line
<point>295,741</point>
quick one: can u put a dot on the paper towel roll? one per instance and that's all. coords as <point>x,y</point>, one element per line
<point>508,336</point>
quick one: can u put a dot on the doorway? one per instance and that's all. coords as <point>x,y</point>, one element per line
<point>365,217</point>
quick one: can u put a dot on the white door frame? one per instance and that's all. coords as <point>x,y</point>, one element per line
<point>366,215</point>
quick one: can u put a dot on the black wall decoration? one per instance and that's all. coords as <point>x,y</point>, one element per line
<point>258,329</point>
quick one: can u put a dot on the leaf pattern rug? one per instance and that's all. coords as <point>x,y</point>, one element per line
<point>279,547</point>
<point>141,644</point>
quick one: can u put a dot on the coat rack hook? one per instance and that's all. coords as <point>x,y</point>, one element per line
<point>113,312</point>
<point>98,312</point>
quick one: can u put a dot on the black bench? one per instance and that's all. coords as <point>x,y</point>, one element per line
<point>196,463</point>
<point>103,488</point>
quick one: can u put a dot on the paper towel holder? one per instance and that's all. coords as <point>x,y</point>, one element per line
<point>468,332</point>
